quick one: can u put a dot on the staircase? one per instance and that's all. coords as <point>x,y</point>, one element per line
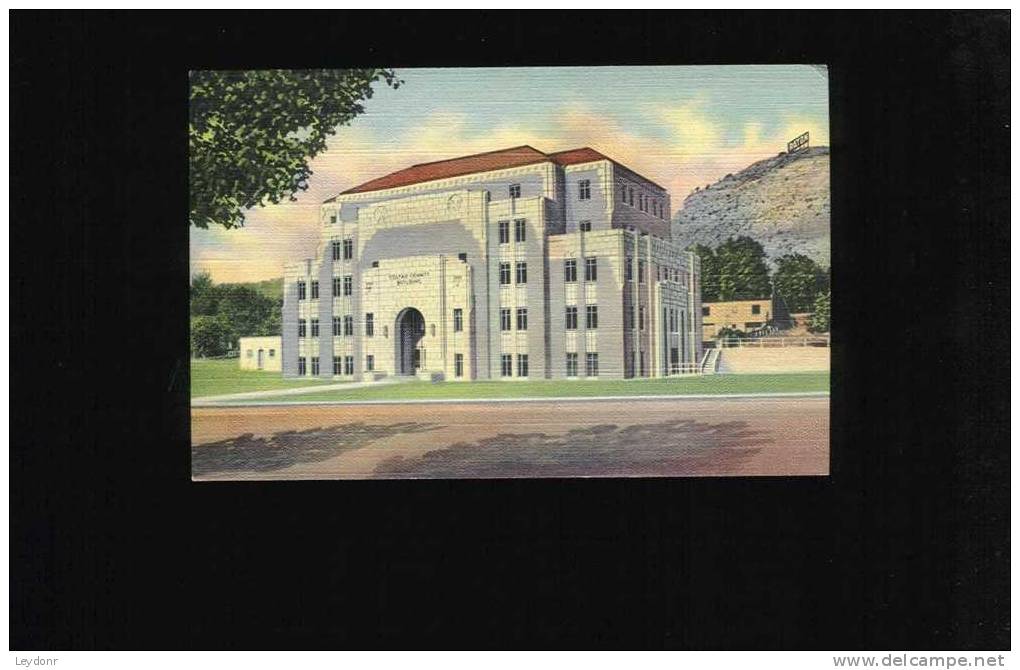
<point>710,361</point>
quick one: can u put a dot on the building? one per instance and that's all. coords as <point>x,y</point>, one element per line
<point>512,264</point>
<point>744,315</point>
<point>261,353</point>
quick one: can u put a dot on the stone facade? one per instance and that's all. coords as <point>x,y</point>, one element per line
<point>472,276</point>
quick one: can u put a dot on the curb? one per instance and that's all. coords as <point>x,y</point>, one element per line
<point>471,401</point>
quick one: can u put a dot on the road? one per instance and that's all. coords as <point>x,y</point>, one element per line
<point>584,438</point>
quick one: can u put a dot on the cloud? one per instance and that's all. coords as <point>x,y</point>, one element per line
<point>679,147</point>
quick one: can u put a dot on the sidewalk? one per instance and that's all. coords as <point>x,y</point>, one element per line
<point>254,395</point>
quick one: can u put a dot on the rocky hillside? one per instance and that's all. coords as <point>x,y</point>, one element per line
<point>782,202</point>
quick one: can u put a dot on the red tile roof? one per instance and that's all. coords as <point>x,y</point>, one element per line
<point>484,162</point>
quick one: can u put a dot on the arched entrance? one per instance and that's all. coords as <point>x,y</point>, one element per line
<point>409,331</point>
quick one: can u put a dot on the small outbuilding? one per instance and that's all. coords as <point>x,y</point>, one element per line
<point>261,353</point>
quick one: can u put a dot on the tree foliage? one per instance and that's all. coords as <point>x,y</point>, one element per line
<point>223,313</point>
<point>709,272</point>
<point>741,270</point>
<point>799,280</point>
<point>210,336</point>
<point>821,316</point>
<point>252,133</point>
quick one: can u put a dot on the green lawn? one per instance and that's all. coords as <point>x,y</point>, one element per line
<point>219,377</point>
<point>711,384</point>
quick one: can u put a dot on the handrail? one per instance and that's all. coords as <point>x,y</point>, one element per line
<point>767,342</point>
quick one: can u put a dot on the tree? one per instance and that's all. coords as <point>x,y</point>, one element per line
<point>210,336</point>
<point>709,272</point>
<point>204,295</point>
<point>820,319</point>
<point>742,271</point>
<point>252,133</point>
<point>247,312</point>
<point>799,280</point>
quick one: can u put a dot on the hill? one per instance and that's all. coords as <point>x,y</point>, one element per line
<point>782,202</point>
<point>271,288</point>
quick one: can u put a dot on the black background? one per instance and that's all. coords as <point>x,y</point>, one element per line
<point>906,545</point>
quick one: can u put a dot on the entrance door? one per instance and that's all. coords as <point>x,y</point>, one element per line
<point>410,329</point>
<point>261,357</point>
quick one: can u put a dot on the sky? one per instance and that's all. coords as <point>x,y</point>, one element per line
<point>680,126</point>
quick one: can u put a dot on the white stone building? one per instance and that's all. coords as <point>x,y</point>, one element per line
<point>513,264</point>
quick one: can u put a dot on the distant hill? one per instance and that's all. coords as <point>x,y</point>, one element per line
<point>782,202</point>
<point>271,288</point>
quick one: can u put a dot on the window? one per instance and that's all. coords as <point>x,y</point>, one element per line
<point>755,309</point>
<point>641,272</point>
<point>628,269</point>
<point>458,365</point>
<point>641,362</point>
<point>337,365</point>
<point>585,226</point>
<point>348,365</point>
<point>348,326</point>
<point>272,353</point>
<point>315,327</point>
<point>458,320</point>
<point>335,247</point>
<point>522,365</point>
<point>571,365</point>
<point>370,363</point>
<point>584,189</point>
<point>631,193</point>
<point>504,273</point>
<point>504,232</point>
<point>315,366</point>
<point>706,311</point>
<point>348,285</point>
<point>375,264</point>
<point>369,325</point>
<point>301,332</point>
<point>623,194</point>
<point>520,230</point>
<point>462,257</point>
<point>515,190</point>
<point>337,326</point>
<point>348,249</point>
<point>591,320</point>
<point>504,319</point>
<point>641,317</point>
<point>641,202</point>
<point>571,318</point>
<point>522,318</point>
<point>522,273</point>
<point>332,218</point>
<point>301,366</point>
<point>337,284</point>
<point>570,270</point>
<point>300,290</point>
<point>591,365</point>
<point>507,367</point>
<point>591,269</point>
